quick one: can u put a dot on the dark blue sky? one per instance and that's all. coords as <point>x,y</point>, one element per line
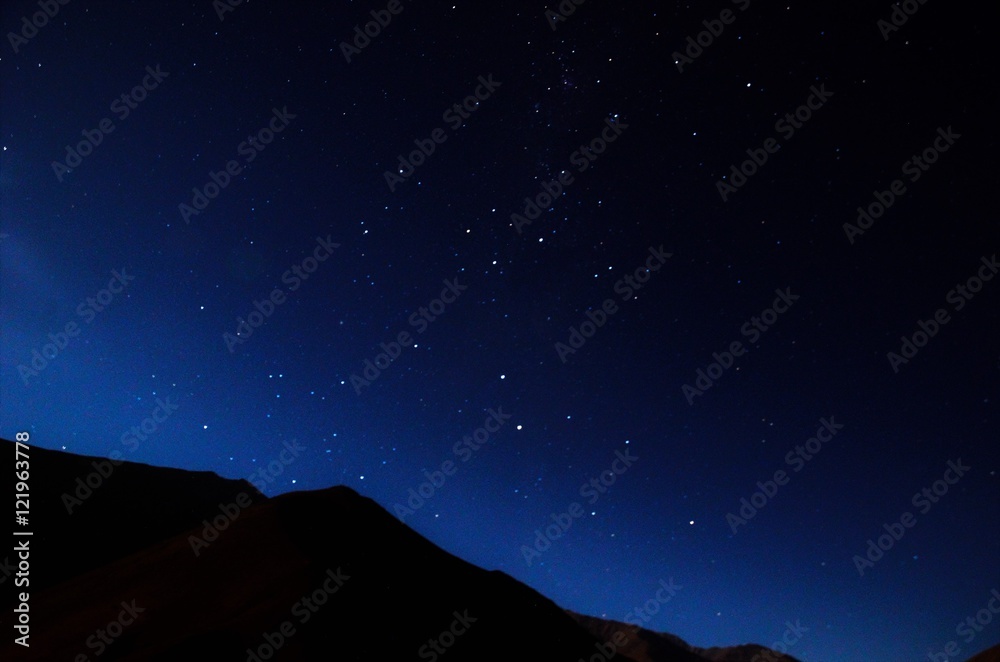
<point>303,235</point>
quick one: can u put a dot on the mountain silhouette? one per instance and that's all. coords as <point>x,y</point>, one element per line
<point>148,563</point>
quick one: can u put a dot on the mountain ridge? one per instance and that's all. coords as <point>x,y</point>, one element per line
<point>198,564</point>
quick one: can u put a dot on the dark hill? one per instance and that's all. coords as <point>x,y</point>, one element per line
<point>134,574</point>
<point>643,645</point>
<point>125,508</point>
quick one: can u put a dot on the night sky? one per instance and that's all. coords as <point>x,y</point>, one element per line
<point>490,249</point>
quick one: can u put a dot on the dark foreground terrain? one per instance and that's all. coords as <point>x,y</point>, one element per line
<point>132,562</point>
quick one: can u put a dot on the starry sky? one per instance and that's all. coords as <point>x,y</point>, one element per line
<point>583,278</point>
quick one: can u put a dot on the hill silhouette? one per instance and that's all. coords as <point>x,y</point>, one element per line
<point>149,563</point>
